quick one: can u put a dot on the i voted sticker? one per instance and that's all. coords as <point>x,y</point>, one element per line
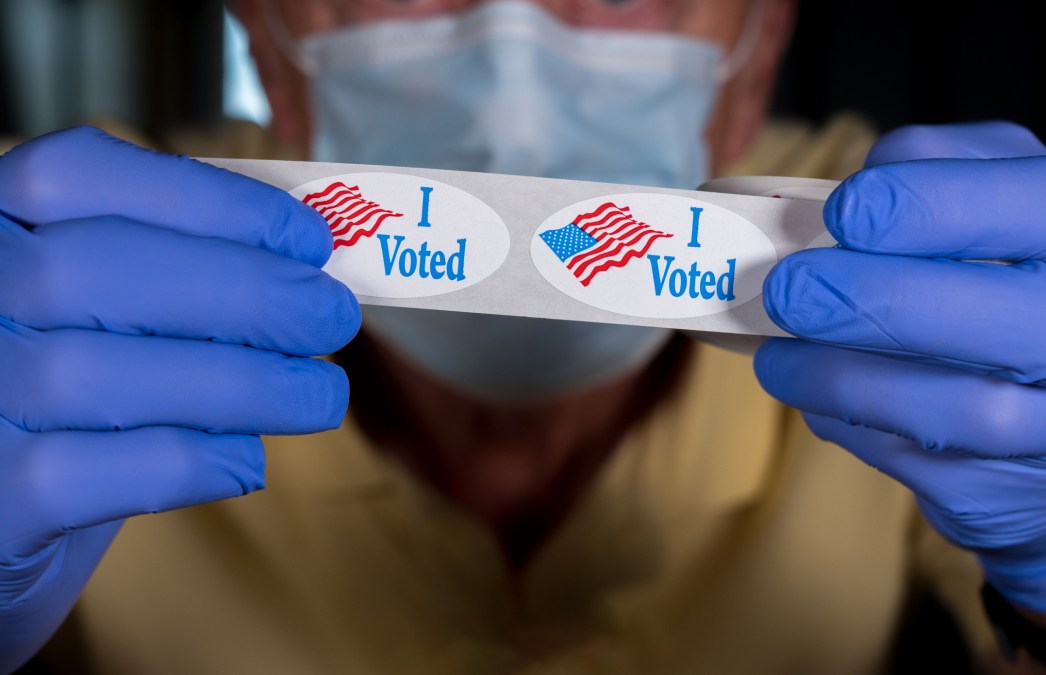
<point>403,236</point>
<point>653,255</point>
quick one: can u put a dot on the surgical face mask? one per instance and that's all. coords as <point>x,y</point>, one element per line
<point>507,88</point>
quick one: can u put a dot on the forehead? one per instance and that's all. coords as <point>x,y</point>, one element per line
<point>713,19</point>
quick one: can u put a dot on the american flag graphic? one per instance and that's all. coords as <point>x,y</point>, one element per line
<point>350,216</point>
<point>601,240</point>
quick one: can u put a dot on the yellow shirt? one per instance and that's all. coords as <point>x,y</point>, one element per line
<point>721,537</point>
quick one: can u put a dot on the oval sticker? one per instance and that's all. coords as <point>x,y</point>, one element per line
<point>652,255</point>
<point>403,236</point>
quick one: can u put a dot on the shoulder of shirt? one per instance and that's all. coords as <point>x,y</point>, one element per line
<point>833,150</point>
<point>231,138</point>
<point>784,147</point>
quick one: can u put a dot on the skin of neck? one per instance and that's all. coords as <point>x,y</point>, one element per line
<point>516,469</point>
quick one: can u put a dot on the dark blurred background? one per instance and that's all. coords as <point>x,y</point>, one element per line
<point>910,61</point>
<point>159,65</point>
<point>153,64</point>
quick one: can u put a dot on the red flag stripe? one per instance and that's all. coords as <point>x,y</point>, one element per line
<point>588,224</point>
<point>609,250</point>
<point>355,212</point>
<point>614,226</point>
<point>359,233</point>
<point>340,203</point>
<point>620,238</point>
<point>349,216</point>
<point>336,201</point>
<point>621,262</point>
<point>333,191</point>
<point>342,224</point>
<point>337,185</point>
<point>620,252</point>
<point>584,258</point>
<point>333,200</point>
<point>594,215</point>
<point>372,229</point>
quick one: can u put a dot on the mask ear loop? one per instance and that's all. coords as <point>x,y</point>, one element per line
<point>729,67</point>
<point>285,42</point>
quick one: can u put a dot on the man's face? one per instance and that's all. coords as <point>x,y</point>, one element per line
<point>714,19</point>
<point>740,105</point>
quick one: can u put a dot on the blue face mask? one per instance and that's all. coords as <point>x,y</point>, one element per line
<point>507,88</point>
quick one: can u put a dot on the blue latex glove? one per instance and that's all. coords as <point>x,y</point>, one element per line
<point>155,317</point>
<point>945,393</point>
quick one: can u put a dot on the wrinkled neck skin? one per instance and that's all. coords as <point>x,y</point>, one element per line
<point>519,470</point>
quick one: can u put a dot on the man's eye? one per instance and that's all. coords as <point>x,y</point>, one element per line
<point>610,4</point>
<point>630,5</point>
<point>371,10</point>
<point>624,14</point>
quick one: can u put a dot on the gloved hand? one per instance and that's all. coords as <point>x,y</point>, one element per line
<point>940,384</point>
<point>155,316</point>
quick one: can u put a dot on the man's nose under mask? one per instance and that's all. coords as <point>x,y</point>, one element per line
<point>507,88</point>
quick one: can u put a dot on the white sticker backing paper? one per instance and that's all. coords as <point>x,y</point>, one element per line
<point>555,249</point>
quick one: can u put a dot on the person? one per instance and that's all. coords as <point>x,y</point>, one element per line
<point>478,511</point>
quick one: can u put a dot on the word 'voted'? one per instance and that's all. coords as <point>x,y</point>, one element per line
<point>434,264</point>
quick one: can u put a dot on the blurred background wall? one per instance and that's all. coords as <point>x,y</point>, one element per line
<point>153,64</point>
<point>165,64</point>
<point>914,61</point>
